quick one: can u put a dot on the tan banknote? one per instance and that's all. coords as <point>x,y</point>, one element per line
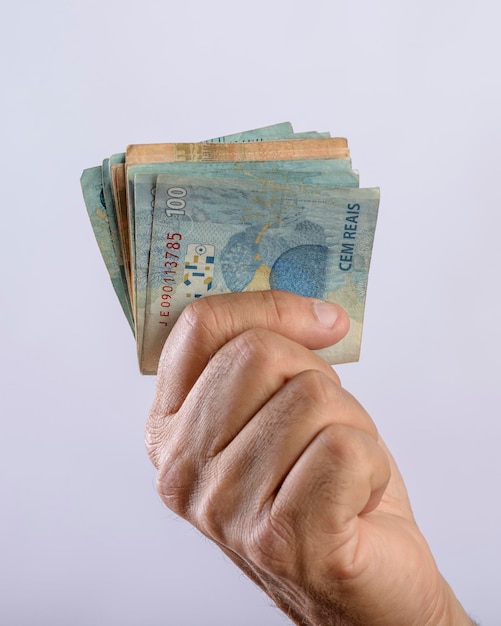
<point>284,150</point>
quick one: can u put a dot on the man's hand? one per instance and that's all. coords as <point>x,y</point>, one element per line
<point>257,444</point>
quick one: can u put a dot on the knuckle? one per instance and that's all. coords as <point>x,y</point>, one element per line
<point>347,444</point>
<point>314,385</point>
<point>316,389</point>
<point>154,437</point>
<point>200,316</point>
<point>252,347</point>
<point>177,468</point>
<point>211,513</point>
<point>215,505</point>
<point>272,545</point>
<point>175,484</point>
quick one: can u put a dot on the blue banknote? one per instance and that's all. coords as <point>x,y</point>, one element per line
<point>149,190</point>
<point>222,235</point>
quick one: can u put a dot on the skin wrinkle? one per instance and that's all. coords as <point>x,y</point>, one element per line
<point>282,415</point>
<point>279,590</point>
<point>292,397</point>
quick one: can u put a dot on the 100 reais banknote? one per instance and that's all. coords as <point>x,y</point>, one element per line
<point>262,209</point>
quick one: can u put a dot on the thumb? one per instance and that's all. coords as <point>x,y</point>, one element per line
<point>210,322</point>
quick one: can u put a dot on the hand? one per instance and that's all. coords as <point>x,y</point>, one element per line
<point>257,444</point>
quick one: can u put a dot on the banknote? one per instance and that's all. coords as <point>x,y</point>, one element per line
<point>269,133</point>
<point>111,209</point>
<point>92,189</point>
<point>226,235</point>
<point>150,191</point>
<point>283,130</point>
<point>120,203</point>
<point>311,135</point>
<point>284,150</point>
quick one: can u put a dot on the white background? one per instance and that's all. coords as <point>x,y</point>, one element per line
<point>416,89</point>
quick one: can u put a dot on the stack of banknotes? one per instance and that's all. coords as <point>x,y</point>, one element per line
<point>262,209</point>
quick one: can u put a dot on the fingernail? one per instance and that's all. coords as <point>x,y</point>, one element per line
<point>327,313</point>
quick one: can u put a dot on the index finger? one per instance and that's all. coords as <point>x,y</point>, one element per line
<point>209,323</point>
